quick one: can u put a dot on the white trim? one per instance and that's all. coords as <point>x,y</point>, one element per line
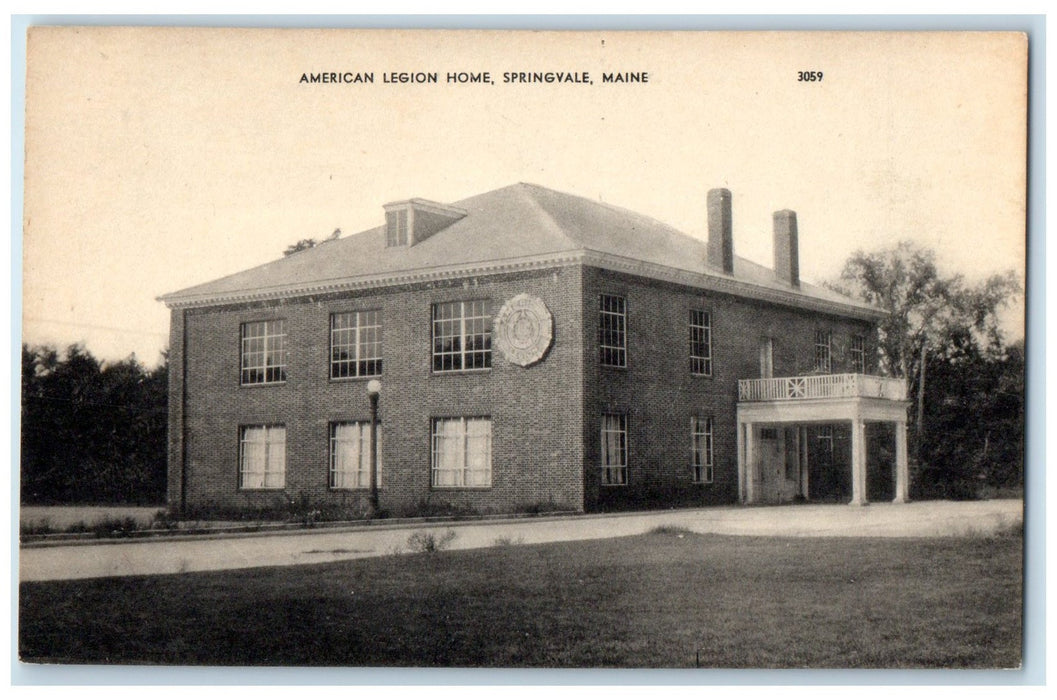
<point>606,261</point>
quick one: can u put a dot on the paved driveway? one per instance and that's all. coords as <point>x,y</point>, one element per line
<point>167,556</point>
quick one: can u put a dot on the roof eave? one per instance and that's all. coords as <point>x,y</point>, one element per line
<point>702,280</point>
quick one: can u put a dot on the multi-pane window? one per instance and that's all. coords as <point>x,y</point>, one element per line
<point>612,330</point>
<point>614,449</point>
<point>823,353</point>
<point>857,354</point>
<point>350,455</point>
<point>356,344</point>
<point>262,457</point>
<point>462,453</point>
<point>396,228</point>
<point>700,342</point>
<point>462,335</point>
<point>264,352</point>
<point>701,449</point>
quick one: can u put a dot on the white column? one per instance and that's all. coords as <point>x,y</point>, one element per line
<point>741,462</point>
<point>750,464</point>
<point>801,436</point>
<point>858,462</point>
<point>902,474</point>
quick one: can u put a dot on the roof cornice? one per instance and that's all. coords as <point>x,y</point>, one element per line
<point>607,261</point>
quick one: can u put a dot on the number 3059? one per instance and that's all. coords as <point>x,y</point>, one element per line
<point>809,76</point>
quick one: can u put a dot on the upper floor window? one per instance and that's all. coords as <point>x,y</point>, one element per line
<point>356,344</point>
<point>857,354</point>
<point>700,342</point>
<point>612,331</point>
<point>462,335</point>
<point>823,352</point>
<point>264,352</point>
<point>262,457</point>
<point>701,449</point>
<point>350,455</point>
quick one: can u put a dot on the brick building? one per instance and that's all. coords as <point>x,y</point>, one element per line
<point>533,348</point>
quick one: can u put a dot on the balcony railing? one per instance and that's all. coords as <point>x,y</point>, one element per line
<point>822,386</point>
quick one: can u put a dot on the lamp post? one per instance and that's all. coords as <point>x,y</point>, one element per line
<point>374,388</point>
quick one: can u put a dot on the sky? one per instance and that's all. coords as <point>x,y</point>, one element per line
<point>158,159</point>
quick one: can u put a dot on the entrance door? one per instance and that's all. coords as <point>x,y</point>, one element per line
<point>771,462</point>
<point>778,465</point>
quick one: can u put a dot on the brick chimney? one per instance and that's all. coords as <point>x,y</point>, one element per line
<point>720,231</point>
<point>786,253</point>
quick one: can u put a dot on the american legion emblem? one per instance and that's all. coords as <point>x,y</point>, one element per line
<point>523,329</point>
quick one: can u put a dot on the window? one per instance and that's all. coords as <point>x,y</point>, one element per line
<point>614,449</point>
<point>462,335</point>
<point>823,361</point>
<point>350,455</point>
<point>612,325</point>
<point>701,449</point>
<point>356,344</point>
<point>857,353</point>
<point>700,342</point>
<point>825,444</point>
<point>264,352</point>
<point>396,228</point>
<point>462,452</point>
<point>262,457</point>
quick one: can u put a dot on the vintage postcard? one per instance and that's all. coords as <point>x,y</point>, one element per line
<point>523,349</point>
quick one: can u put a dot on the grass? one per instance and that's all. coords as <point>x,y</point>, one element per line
<point>663,599</point>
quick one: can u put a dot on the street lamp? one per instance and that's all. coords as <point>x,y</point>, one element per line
<point>374,388</point>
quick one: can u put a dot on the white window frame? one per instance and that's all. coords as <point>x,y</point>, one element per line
<point>262,356</point>
<point>857,354</point>
<point>269,442</point>
<point>470,319</point>
<point>823,351</point>
<point>614,458</point>
<point>360,339</point>
<point>461,453</point>
<point>350,455</point>
<point>700,342</point>
<point>612,330</point>
<point>701,444</point>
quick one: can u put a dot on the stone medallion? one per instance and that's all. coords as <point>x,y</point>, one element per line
<point>523,330</point>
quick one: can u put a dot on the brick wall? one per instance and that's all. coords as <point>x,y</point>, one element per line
<point>535,411</point>
<point>659,394</point>
<point>545,418</point>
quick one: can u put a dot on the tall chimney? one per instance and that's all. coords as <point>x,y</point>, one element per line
<point>786,253</point>
<point>720,231</point>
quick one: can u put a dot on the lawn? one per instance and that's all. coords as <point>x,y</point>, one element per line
<point>665,599</point>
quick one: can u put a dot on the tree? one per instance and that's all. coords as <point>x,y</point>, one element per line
<point>91,431</point>
<point>934,322</point>
<point>303,244</point>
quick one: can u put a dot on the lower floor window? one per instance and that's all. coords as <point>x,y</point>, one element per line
<point>701,449</point>
<point>614,448</point>
<point>462,452</point>
<point>262,457</point>
<point>350,455</point>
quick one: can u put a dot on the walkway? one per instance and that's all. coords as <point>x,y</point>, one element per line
<point>209,553</point>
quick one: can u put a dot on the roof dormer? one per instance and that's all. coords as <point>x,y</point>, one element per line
<point>414,220</point>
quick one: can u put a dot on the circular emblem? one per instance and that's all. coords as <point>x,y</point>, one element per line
<point>523,329</point>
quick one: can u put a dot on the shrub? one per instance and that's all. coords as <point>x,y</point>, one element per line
<point>428,541</point>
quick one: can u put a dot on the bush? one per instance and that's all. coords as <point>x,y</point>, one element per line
<point>428,541</point>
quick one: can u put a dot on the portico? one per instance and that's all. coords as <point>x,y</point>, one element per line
<point>772,418</point>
